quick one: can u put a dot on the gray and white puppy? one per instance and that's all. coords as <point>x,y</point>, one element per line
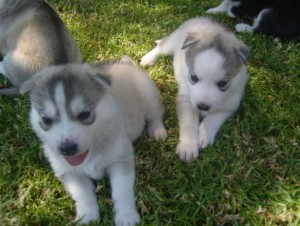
<point>210,68</point>
<point>32,36</point>
<point>87,117</point>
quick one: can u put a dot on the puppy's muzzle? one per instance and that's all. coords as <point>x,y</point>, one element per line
<point>68,148</point>
<point>203,106</point>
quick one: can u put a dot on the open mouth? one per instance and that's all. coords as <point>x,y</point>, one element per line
<point>76,160</point>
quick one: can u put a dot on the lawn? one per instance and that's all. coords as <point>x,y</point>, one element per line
<point>250,176</point>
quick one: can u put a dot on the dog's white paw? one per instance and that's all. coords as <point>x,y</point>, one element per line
<point>214,10</point>
<point>160,134</point>
<point>243,28</point>
<point>127,218</point>
<point>204,142</point>
<point>149,59</point>
<point>87,218</point>
<point>204,138</point>
<point>187,151</point>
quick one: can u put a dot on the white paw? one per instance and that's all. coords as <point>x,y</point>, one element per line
<point>150,58</point>
<point>87,218</point>
<point>187,151</point>
<point>243,28</point>
<point>127,218</point>
<point>204,138</point>
<point>214,10</point>
<point>160,134</point>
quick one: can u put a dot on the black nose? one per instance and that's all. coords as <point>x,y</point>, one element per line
<point>68,148</point>
<point>203,107</point>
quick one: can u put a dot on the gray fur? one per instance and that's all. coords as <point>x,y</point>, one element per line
<point>119,98</point>
<point>234,58</point>
<point>88,84</point>
<point>33,31</point>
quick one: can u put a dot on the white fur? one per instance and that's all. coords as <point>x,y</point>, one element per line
<point>225,6</point>
<point>77,179</point>
<point>248,28</point>
<point>120,118</point>
<point>208,67</point>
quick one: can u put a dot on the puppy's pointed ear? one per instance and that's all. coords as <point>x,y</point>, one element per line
<point>189,41</point>
<point>104,80</point>
<point>243,53</point>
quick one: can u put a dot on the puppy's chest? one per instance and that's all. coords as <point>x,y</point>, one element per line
<point>95,169</point>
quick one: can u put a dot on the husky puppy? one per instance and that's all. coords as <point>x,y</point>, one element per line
<point>87,117</point>
<point>272,17</point>
<point>209,66</point>
<point>32,36</point>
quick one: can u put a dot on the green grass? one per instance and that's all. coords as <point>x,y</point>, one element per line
<point>250,176</point>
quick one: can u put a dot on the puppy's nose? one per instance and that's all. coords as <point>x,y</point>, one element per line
<point>68,148</point>
<point>203,107</point>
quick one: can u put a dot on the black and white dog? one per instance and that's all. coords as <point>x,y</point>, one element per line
<point>271,17</point>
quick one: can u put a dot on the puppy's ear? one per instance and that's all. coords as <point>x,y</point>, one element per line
<point>243,53</point>
<point>104,80</point>
<point>189,41</point>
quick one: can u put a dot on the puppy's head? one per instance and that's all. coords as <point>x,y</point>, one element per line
<point>213,62</point>
<point>65,102</point>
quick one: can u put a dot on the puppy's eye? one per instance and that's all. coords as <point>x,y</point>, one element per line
<point>194,78</point>
<point>221,84</point>
<point>47,121</point>
<point>83,116</point>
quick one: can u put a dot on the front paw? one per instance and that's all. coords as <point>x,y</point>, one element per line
<point>87,218</point>
<point>150,58</point>
<point>204,138</point>
<point>214,10</point>
<point>127,218</point>
<point>243,28</point>
<point>187,151</point>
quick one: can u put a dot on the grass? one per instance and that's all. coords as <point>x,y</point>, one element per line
<point>250,176</point>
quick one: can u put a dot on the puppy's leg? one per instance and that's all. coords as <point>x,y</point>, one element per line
<point>156,128</point>
<point>188,117</point>
<point>154,115</point>
<point>165,46</point>
<point>223,7</point>
<point>257,23</point>
<point>81,188</point>
<point>122,178</point>
<point>244,28</point>
<point>210,126</point>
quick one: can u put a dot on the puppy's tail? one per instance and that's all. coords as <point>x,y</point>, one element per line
<point>10,91</point>
<point>126,59</point>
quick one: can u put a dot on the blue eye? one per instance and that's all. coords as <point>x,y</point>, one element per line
<point>194,78</point>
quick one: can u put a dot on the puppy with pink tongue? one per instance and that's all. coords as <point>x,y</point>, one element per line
<point>87,117</point>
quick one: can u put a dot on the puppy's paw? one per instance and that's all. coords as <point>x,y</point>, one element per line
<point>214,10</point>
<point>160,134</point>
<point>127,218</point>
<point>82,219</point>
<point>187,151</point>
<point>204,138</point>
<point>150,58</point>
<point>243,28</point>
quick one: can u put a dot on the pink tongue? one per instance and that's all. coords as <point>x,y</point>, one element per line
<point>77,159</point>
